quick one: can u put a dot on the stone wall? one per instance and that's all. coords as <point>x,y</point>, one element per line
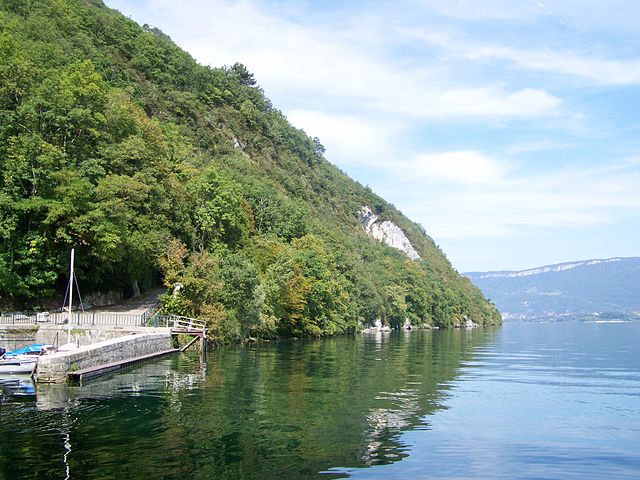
<point>85,335</point>
<point>13,337</point>
<point>54,367</point>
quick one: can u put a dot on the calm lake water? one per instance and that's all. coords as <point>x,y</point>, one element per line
<point>525,401</point>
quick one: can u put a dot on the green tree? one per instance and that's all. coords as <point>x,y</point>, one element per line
<point>219,214</point>
<point>242,292</point>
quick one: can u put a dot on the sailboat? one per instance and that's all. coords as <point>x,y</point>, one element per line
<point>24,360</point>
<point>70,345</point>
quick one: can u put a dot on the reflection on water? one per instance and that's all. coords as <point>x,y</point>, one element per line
<point>521,402</point>
<point>552,401</point>
<point>289,409</point>
<point>155,378</point>
<point>16,386</point>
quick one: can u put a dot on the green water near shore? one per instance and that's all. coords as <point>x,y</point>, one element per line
<point>521,401</point>
<point>280,409</point>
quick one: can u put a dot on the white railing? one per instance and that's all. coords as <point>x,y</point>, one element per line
<point>186,323</point>
<point>104,319</point>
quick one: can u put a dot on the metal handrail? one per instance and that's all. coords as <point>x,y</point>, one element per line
<point>152,311</point>
<point>187,322</point>
<point>106,319</point>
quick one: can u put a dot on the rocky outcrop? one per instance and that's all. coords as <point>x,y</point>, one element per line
<point>468,323</point>
<point>386,232</point>
<point>376,326</point>
<point>103,299</point>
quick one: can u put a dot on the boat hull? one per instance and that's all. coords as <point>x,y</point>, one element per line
<point>17,367</point>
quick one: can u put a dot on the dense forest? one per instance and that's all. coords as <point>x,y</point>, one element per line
<point>156,169</point>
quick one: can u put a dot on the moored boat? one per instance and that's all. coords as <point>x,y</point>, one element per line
<point>23,360</point>
<point>32,350</point>
<point>17,366</point>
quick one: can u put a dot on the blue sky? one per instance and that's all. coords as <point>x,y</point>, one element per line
<point>508,128</point>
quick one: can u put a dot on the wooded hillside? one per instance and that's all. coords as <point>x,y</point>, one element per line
<point>156,169</point>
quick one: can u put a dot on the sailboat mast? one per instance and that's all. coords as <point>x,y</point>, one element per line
<point>70,296</point>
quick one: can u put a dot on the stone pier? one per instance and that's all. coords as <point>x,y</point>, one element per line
<point>55,367</point>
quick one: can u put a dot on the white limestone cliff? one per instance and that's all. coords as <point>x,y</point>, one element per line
<point>386,232</point>
<point>546,269</point>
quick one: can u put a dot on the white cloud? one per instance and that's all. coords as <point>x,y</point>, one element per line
<point>602,70</point>
<point>609,15</point>
<point>487,10</point>
<point>561,61</point>
<point>433,101</point>
<point>533,146</point>
<point>515,205</point>
<point>615,15</point>
<point>526,102</point>
<point>460,167</point>
<point>332,66</point>
<point>347,138</point>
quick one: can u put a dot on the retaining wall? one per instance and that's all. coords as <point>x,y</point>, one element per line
<point>13,337</point>
<point>84,335</point>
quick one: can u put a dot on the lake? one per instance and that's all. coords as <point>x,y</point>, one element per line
<point>524,401</point>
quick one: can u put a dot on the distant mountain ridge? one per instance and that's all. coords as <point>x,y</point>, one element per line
<point>596,286</point>
<point>558,267</point>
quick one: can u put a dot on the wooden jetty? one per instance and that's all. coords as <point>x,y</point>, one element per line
<point>192,327</point>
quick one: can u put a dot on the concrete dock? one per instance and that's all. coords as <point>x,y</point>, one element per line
<point>80,375</point>
<point>103,356</point>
